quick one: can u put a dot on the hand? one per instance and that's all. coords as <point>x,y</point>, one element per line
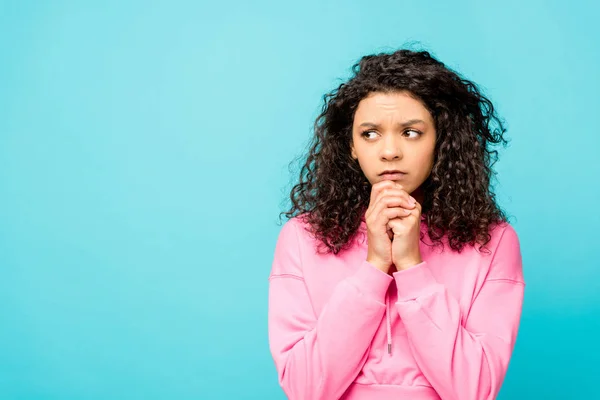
<point>406,235</point>
<point>388,201</point>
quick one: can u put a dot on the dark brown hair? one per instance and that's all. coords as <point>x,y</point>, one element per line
<point>333,193</point>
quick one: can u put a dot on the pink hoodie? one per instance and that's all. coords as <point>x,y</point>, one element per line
<point>339,328</point>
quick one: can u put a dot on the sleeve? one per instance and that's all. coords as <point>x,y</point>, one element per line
<point>319,357</point>
<point>464,360</point>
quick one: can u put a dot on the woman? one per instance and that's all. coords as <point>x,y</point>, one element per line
<point>397,275</point>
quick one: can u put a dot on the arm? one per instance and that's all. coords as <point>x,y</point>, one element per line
<point>464,361</point>
<point>319,357</point>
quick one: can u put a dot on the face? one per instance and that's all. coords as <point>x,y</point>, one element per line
<point>394,131</point>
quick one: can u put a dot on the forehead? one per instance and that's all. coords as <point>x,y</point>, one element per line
<point>385,105</point>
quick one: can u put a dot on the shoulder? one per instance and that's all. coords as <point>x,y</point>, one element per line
<point>507,262</point>
<point>295,229</point>
<point>504,237</point>
<point>289,248</point>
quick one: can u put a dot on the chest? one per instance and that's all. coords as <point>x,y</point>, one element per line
<point>461,273</point>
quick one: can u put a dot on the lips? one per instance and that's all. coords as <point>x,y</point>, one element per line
<point>392,176</point>
<point>392,171</point>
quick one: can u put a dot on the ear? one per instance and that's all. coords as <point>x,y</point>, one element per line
<point>352,152</point>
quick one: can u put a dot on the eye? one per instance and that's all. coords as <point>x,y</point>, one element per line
<point>365,133</point>
<point>415,131</point>
<point>418,133</point>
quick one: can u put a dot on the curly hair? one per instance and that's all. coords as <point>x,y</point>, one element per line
<point>458,203</point>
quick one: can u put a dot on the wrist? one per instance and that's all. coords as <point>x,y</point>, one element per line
<point>407,263</point>
<point>380,265</point>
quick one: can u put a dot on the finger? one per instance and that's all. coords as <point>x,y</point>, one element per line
<point>391,195</point>
<point>390,207</point>
<point>418,206</point>
<point>394,198</point>
<point>381,216</point>
<point>396,226</point>
<point>379,187</point>
<point>413,213</point>
<point>377,192</point>
<point>389,214</point>
<point>394,223</point>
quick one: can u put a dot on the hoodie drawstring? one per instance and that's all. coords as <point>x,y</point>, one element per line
<point>389,325</point>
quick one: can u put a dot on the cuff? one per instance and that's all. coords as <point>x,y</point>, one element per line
<point>371,281</point>
<point>414,282</point>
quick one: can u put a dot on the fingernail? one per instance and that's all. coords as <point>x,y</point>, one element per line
<point>412,200</point>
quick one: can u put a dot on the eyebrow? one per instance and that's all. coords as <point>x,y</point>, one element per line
<point>400,124</point>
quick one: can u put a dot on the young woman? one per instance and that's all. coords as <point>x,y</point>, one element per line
<point>397,275</point>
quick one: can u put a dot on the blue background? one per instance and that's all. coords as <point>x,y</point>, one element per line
<point>144,150</point>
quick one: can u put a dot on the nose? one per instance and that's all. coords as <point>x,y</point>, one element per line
<point>391,148</point>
